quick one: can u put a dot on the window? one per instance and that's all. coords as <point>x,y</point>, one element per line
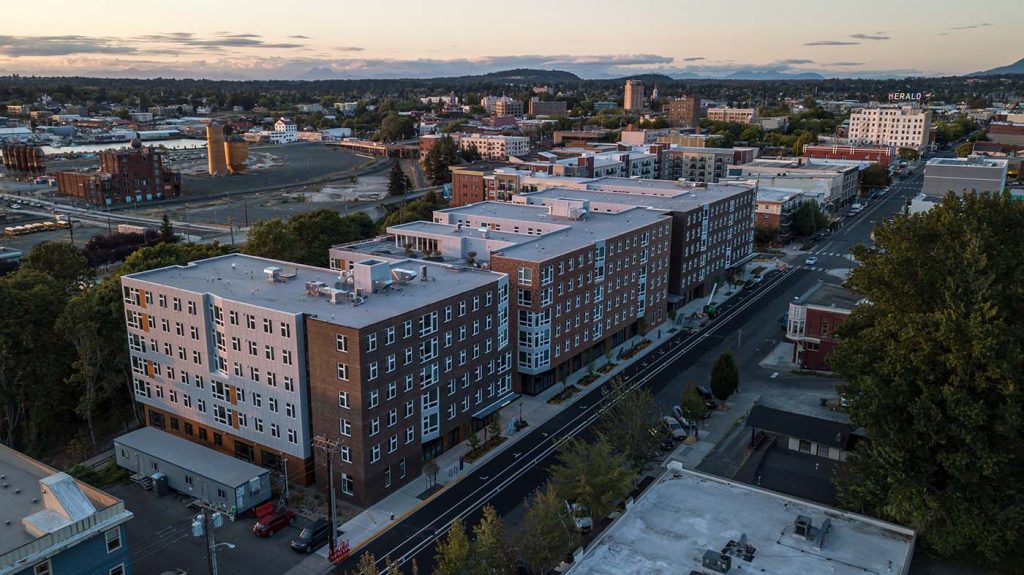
<point>374,398</point>
<point>275,430</point>
<point>375,453</point>
<point>42,568</point>
<point>343,372</point>
<point>286,356</point>
<point>373,371</point>
<point>393,444</point>
<point>389,336</point>
<point>343,399</point>
<point>805,446</point>
<point>272,403</point>
<point>346,484</point>
<point>387,478</point>
<point>407,328</point>
<point>392,417</point>
<point>268,352</point>
<point>345,427</point>
<point>822,450</point>
<point>345,453</point>
<point>289,383</point>
<point>401,469</point>
<point>371,342</point>
<point>286,330</point>
<point>374,426</point>
<point>392,389</point>
<point>292,437</point>
<point>342,342</point>
<point>113,539</point>
<point>289,410</point>
<point>410,434</point>
<point>525,276</point>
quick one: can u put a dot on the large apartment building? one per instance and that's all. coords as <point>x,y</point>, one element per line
<point>899,126</point>
<point>696,164</point>
<point>839,185</point>
<point>683,112</point>
<point>633,100</point>
<point>255,357</point>
<point>494,147</point>
<point>736,115</point>
<point>580,282</point>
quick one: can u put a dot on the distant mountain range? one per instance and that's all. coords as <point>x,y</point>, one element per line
<point>1015,68</point>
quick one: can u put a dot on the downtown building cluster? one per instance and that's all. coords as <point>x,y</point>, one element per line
<point>414,340</point>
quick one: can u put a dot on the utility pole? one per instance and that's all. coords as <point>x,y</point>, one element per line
<point>285,490</point>
<point>329,447</point>
<point>231,228</point>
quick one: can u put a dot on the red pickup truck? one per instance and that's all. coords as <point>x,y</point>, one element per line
<point>267,525</point>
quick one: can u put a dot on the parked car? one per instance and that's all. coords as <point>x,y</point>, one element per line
<point>675,428</point>
<point>811,260</point>
<point>709,398</point>
<point>677,412</point>
<point>267,525</point>
<point>313,537</point>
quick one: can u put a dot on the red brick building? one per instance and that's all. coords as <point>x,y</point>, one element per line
<point>813,321</point>
<point>124,177</point>
<point>877,154</point>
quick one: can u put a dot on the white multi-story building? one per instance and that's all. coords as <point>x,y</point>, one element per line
<point>494,147</point>
<point>905,126</point>
<point>737,115</point>
<point>285,131</point>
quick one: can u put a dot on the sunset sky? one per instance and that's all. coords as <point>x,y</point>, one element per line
<point>314,39</point>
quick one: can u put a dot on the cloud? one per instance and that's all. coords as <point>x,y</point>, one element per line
<point>795,61</point>
<point>299,37</point>
<point>875,36</point>
<point>23,46</point>
<point>220,41</point>
<point>831,43</point>
<point>348,48</point>
<point>844,64</point>
<point>693,59</point>
<point>971,26</point>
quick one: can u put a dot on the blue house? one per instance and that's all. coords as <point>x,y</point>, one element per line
<point>53,524</point>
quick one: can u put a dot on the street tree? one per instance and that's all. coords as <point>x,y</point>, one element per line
<point>807,219</point>
<point>933,365</point>
<point>965,149</point>
<point>62,261</point>
<point>490,551</point>
<point>592,474</point>
<point>548,534</point>
<point>802,140</point>
<point>453,554</point>
<point>908,154</point>
<point>875,176</point>
<point>725,376</point>
<point>691,404</point>
<point>367,565</point>
<point>627,423</point>
<point>395,127</point>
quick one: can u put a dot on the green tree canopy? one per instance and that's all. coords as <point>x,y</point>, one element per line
<point>592,474</point>
<point>725,376</point>
<point>490,551</point>
<point>453,554</point>
<point>167,234</point>
<point>395,127</point>
<point>271,239</point>
<point>934,367</point>
<point>307,238</point>
<point>807,219</point>
<point>63,262</point>
<point>548,534</point>
<point>875,176</point>
<point>421,208</point>
<point>691,404</point>
<point>443,154</point>
<point>398,182</point>
<point>627,423</point>
<point>908,154</point>
<point>963,150</point>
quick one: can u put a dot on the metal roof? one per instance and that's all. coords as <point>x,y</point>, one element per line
<point>193,457</point>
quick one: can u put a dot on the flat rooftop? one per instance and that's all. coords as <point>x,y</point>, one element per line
<point>680,201</point>
<point>974,162</point>
<point>185,454</point>
<point>830,295</point>
<point>21,481</point>
<point>240,277</point>
<point>685,513</point>
<point>570,236</point>
<point>776,194</point>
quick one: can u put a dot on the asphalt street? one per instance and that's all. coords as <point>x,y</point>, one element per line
<point>749,322</point>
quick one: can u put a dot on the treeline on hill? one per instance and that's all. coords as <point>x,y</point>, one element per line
<point>282,94</point>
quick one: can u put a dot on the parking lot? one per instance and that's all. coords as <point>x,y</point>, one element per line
<point>160,539</point>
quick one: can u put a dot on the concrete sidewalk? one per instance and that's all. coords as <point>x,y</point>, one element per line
<point>535,410</point>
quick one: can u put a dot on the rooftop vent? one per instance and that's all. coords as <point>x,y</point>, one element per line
<point>717,562</point>
<point>802,526</point>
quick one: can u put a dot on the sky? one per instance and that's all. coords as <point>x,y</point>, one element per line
<point>320,39</point>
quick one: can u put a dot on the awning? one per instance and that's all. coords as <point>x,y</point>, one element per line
<point>496,406</point>
<point>743,260</point>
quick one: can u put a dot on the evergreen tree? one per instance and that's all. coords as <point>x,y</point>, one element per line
<point>490,553</point>
<point>725,376</point>
<point>398,182</point>
<point>442,155</point>
<point>167,234</point>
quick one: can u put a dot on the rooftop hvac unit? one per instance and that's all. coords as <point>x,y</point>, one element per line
<point>802,526</point>
<point>273,273</point>
<point>718,562</point>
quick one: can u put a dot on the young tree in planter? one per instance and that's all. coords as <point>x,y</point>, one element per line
<point>725,376</point>
<point>367,565</point>
<point>548,533</point>
<point>626,424</point>
<point>494,427</point>
<point>692,406</point>
<point>453,554</point>
<point>490,550</point>
<point>474,441</point>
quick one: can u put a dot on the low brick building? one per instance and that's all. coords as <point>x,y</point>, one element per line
<point>124,177</point>
<point>813,321</point>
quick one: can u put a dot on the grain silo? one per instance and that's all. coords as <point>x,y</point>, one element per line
<point>236,150</point>
<point>215,148</point>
